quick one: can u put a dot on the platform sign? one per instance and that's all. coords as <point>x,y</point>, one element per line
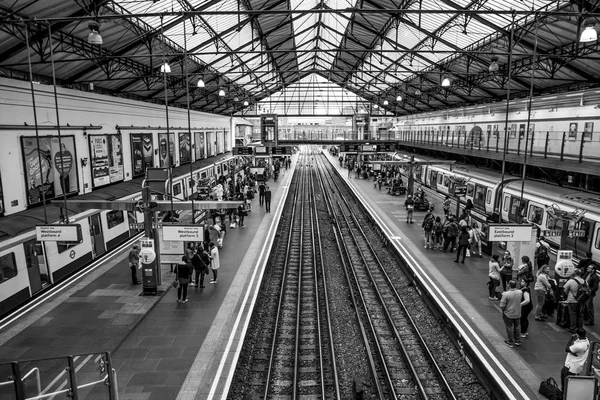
<point>261,150</point>
<point>460,191</point>
<point>185,233</point>
<point>58,233</point>
<point>509,233</point>
<point>243,151</point>
<point>283,150</point>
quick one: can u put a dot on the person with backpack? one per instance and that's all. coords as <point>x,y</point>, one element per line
<point>542,253</point>
<point>428,230</point>
<point>525,272</point>
<point>463,244</point>
<point>200,261</point>
<point>446,205</point>
<point>576,289</point>
<point>451,232</point>
<point>438,230</point>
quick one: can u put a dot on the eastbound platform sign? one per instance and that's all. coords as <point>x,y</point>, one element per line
<point>58,233</point>
<point>509,233</point>
<point>185,233</point>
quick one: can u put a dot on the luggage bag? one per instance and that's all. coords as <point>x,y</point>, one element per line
<point>562,315</point>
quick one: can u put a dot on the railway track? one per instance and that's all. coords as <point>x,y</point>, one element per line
<point>406,365</point>
<point>295,357</point>
<point>332,318</point>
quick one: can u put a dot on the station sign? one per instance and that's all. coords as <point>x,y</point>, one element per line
<point>509,233</point>
<point>386,147</point>
<point>58,233</point>
<point>242,151</point>
<point>282,150</point>
<point>185,233</point>
<point>262,150</point>
<point>460,191</point>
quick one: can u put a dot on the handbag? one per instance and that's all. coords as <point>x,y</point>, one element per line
<point>176,281</point>
<point>549,389</point>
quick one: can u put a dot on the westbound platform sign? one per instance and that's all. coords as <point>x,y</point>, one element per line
<point>58,233</point>
<point>185,233</point>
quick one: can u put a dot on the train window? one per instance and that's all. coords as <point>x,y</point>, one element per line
<point>584,226</point>
<point>64,246</point>
<point>514,206</point>
<point>114,218</point>
<point>177,189</point>
<point>488,196</point>
<point>440,178</point>
<point>597,238</point>
<point>446,180</point>
<point>470,189</point>
<point>8,266</point>
<point>479,196</point>
<point>552,223</point>
<point>535,214</point>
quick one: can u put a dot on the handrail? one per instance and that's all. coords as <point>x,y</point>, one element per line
<point>104,380</point>
<point>38,380</point>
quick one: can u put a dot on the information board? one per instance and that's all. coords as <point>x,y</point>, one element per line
<point>509,233</point>
<point>186,233</point>
<point>58,233</point>
<point>243,151</point>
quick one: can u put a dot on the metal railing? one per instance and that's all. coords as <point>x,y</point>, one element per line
<point>73,390</point>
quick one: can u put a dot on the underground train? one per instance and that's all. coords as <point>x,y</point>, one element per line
<point>29,267</point>
<point>541,204</point>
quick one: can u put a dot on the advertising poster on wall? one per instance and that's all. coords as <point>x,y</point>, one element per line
<point>573,131</point>
<point>220,140</point>
<point>50,167</point>
<point>588,129</point>
<point>185,147</point>
<point>166,150</point>
<point>141,153</point>
<point>199,145</point>
<point>210,140</point>
<point>226,140</point>
<point>115,158</point>
<point>99,160</point>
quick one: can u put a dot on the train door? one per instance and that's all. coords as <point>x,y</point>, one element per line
<point>516,210</point>
<point>580,245</point>
<point>433,180</point>
<point>37,269</point>
<point>96,235</point>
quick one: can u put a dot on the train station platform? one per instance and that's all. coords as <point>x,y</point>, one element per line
<point>464,285</point>
<point>161,349</point>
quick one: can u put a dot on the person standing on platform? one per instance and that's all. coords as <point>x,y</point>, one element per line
<point>575,308</point>
<point>463,244</point>
<point>510,304</point>
<point>450,233</point>
<point>542,253</point>
<point>584,263</point>
<point>267,199</point>
<point>577,350</point>
<point>409,204</point>
<point>542,287</point>
<point>592,279</point>
<point>526,308</point>
<point>506,266</point>
<point>476,235</point>
<point>261,193</point>
<point>494,274</point>
<point>206,235</point>
<point>134,262</point>
<point>183,272</point>
<point>215,262</point>
<point>201,261</point>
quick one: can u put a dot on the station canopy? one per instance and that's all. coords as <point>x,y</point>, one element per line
<point>304,57</point>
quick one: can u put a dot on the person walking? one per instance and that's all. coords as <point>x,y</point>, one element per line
<point>575,308</point>
<point>409,204</point>
<point>506,266</point>
<point>267,199</point>
<point>241,211</point>
<point>134,262</point>
<point>494,275</point>
<point>592,280</point>
<point>215,262</point>
<point>261,193</point>
<point>510,304</point>
<point>542,287</point>
<point>463,244</point>
<point>183,272</point>
<point>577,350</point>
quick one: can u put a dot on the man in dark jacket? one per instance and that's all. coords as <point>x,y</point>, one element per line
<point>592,279</point>
<point>261,193</point>
<point>267,198</point>
<point>200,267</point>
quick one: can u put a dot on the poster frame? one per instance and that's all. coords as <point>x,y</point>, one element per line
<point>131,152</point>
<point>108,137</point>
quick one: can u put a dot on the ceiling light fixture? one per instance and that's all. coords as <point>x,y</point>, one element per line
<point>201,83</point>
<point>94,36</point>
<point>166,68</point>
<point>221,93</point>
<point>418,92</point>
<point>494,67</point>
<point>399,98</point>
<point>589,34</point>
<point>446,82</point>
<point>385,102</point>
<point>246,104</point>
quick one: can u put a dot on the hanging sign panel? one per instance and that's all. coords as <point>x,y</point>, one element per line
<point>509,233</point>
<point>186,233</point>
<point>58,233</point>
